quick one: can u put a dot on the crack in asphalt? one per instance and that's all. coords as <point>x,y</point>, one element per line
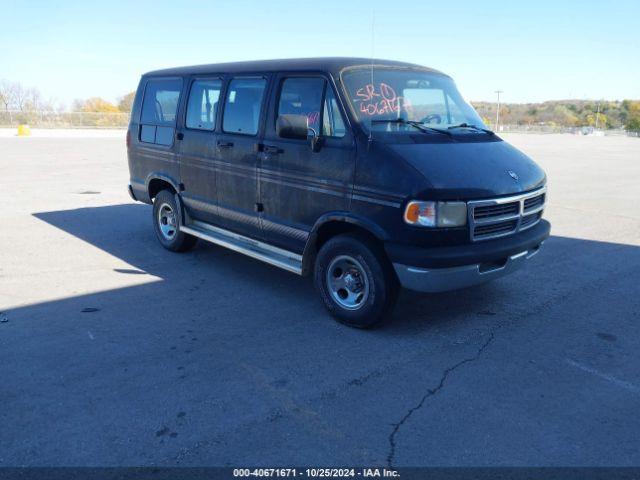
<point>430,393</point>
<point>553,300</point>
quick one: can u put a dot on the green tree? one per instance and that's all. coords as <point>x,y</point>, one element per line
<point>601,119</point>
<point>126,102</point>
<point>96,104</point>
<point>632,115</point>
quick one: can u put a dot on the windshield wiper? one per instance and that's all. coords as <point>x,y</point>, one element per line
<point>474,127</point>
<point>420,126</point>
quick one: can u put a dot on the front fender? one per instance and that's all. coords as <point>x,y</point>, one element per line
<point>344,217</point>
<point>353,219</point>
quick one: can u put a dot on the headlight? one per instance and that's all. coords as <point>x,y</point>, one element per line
<point>436,214</point>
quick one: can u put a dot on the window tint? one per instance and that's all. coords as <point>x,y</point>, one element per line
<point>203,104</point>
<point>161,102</point>
<point>302,96</point>
<point>159,108</point>
<point>332,122</point>
<point>148,133</point>
<point>243,104</point>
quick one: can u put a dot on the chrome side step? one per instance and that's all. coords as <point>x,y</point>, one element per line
<point>253,248</point>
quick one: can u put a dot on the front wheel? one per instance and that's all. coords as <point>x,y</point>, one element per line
<point>355,280</point>
<point>166,222</point>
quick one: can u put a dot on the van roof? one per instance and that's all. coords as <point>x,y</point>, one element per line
<point>330,64</point>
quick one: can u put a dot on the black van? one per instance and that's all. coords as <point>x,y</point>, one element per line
<point>369,175</point>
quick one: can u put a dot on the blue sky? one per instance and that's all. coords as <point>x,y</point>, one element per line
<point>534,51</point>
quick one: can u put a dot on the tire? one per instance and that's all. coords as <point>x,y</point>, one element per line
<point>166,223</point>
<point>355,280</point>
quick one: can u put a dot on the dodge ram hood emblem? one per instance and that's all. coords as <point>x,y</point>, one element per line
<point>513,175</point>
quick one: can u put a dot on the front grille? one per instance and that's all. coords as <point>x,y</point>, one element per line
<point>496,210</point>
<point>530,220</point>
<point>505,216</point>
<point>533,203</point>
<point>493,229</point>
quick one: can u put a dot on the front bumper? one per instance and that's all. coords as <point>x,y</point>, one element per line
<point>453,278</point>
<point>450,268</point>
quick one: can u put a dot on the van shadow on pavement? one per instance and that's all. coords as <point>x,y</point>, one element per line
<point>125,231</point>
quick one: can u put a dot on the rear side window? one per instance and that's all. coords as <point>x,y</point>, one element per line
<point>159,108</point>
<point>302,96</point>
<point>243,104</point>
<point>203,104</point>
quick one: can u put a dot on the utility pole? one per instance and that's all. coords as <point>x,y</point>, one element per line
<point>597,116</point>
<point>498,109</point>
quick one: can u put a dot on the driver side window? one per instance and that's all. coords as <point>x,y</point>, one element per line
<point>332,122</point>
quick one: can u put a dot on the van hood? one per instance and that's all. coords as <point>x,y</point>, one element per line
<point>468,170</point>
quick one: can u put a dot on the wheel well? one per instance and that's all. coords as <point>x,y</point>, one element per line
<point>156,185</point>
<point>325,233</point>
<point>333,228</point>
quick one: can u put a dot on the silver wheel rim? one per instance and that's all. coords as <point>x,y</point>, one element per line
<point>347,282</point>
<point>167,221</point>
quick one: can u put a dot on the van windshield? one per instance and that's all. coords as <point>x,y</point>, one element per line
<point>404,100</point>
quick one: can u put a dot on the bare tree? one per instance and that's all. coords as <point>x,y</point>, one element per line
<point>20,96</point>
<point>33,100</point>
<point>7,90</point>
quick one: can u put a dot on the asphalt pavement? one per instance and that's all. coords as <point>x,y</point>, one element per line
<point>114,351</point>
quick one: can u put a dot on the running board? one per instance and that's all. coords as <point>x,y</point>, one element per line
<point>253,248</point>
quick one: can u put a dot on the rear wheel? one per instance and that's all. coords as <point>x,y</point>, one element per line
<point>355,280</point>
<point>166,221</point>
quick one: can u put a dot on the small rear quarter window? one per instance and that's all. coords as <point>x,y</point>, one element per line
<point>159,110</point>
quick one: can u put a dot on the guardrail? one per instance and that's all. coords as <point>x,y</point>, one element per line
<point>49,119</point>
<point>559,129</point>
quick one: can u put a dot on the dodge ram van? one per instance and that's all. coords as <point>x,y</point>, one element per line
<point>367,175</point>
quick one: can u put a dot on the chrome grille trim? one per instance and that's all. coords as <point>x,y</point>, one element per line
<point>485,226</point>
<point>533,204</point>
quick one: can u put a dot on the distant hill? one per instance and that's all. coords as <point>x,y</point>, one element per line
<point>565,113</point>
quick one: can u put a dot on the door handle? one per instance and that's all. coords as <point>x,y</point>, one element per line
<point>272,149</point>
<point>223,144</point>
<point>179,136</point>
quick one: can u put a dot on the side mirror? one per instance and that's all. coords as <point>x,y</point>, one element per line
<point>292,126</point>
<point>316,141</point>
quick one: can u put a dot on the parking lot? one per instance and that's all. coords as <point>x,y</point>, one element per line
<point>114,351</point>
